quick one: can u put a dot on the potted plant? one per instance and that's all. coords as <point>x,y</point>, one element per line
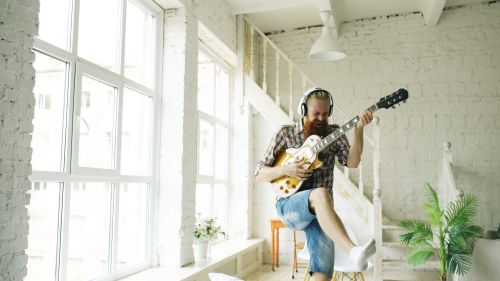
<point>454,232</point>
<point>205,231</point>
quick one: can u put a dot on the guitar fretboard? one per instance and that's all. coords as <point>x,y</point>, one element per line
<point>339,132</point>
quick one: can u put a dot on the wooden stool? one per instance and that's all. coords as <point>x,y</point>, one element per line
<point>295,264</point>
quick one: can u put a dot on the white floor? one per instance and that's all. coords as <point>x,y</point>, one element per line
<point>284,273</point>
<point>281,273</point>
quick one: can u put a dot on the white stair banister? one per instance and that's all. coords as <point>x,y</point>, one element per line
<point>450,188</point>
<point>361,185</point>
<point>290,93</point>
<point>252,52</point>
<point>278,79</point>
<point>376,153</point>
<point>377,201</point>
<point>264,66</point>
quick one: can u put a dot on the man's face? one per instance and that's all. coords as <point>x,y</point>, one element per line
<point>316,120</point>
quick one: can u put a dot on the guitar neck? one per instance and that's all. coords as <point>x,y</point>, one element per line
<point>339,132</point>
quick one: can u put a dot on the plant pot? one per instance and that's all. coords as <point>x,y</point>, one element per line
<point>200,250</point>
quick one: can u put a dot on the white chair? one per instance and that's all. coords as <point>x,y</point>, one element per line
<point>343,266</point>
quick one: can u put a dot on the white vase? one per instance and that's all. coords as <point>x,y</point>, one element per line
<point>200,250</point>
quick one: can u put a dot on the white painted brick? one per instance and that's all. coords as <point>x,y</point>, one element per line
<point>486,74</point>
<point>18,25</point>
<point>179,142</point>
<point>217,16</point>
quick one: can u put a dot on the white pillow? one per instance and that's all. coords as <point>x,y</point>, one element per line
<point>222,277</point>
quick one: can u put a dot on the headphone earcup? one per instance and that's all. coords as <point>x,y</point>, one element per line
<point>301,108</point>
<point>331,104</point>
<point>304,109</point>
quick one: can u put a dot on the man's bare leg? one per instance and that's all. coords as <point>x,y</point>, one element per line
<point>321,203</point>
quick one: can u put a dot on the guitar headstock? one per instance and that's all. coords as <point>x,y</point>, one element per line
<point>400,95</point>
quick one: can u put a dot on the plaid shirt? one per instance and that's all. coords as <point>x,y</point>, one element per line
<point>290,136</point>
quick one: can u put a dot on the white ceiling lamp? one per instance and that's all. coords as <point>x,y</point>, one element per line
<point>327,48</point>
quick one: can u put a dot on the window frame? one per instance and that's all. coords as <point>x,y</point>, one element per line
<point>70,173</point>
<point>217,61</point>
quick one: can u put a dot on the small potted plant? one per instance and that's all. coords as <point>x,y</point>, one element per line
<point>448,232</point>
<point>206,230</point>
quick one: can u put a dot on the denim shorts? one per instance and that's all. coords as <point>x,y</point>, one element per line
<point>295,213</point>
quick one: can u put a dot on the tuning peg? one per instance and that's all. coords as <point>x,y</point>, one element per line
<point>393,107</point>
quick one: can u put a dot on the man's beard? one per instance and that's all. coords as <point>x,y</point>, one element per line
<point>315,128</point>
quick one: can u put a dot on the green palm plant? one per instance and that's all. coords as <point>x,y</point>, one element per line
<point>448,232</point>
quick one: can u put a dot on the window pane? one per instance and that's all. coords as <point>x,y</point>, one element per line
<point>206,85</point>
<point>42,238</point>
<point>220,204</point>
<point>97,115</point>
<point>54,28</point>
<point>132,224</point>
<point>136,134</point>
<point>206,149</point>
<point>98,32</point>
<point>203,199</point>
<point>50,88</point>
<point>221,152</point>
<point>139,45</point>
<point>89,228</point>
<point>222,95</point>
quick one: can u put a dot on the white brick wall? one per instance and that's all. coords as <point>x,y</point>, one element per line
<point>18,25</point>
<point>452,72</point>
<point>217,16</point>
<point>178,140</point>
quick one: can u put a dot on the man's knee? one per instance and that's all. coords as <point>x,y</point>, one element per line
<point>320,195</point>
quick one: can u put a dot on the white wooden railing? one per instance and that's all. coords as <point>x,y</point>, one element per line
<point>265,71</point>
<point>449,189</point>
<point>265,64</point>
<point>377,203</point>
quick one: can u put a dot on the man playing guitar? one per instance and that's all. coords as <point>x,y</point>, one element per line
<point>311,207</point>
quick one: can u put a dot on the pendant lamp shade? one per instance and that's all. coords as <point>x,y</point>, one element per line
<point>326,48</point>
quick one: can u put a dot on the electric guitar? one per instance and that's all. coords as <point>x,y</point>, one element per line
<point>285,186</point>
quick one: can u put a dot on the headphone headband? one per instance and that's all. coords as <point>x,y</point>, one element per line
<point>302,108</point>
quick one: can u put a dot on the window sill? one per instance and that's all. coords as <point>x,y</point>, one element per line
<point>233,257</point>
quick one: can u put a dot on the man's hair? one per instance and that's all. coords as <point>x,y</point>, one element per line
<point>320,95</point>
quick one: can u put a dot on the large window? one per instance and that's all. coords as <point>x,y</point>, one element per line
<point>97,84</point>
<point>212,189</point>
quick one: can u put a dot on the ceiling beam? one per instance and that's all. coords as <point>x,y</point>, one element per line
<point>170,4</point>
<point>432,9</point>
<point>264,5</point>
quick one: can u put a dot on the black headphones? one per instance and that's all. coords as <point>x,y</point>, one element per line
<point>302,108</point>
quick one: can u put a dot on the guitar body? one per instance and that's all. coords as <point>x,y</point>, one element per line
<point>285,186</point>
